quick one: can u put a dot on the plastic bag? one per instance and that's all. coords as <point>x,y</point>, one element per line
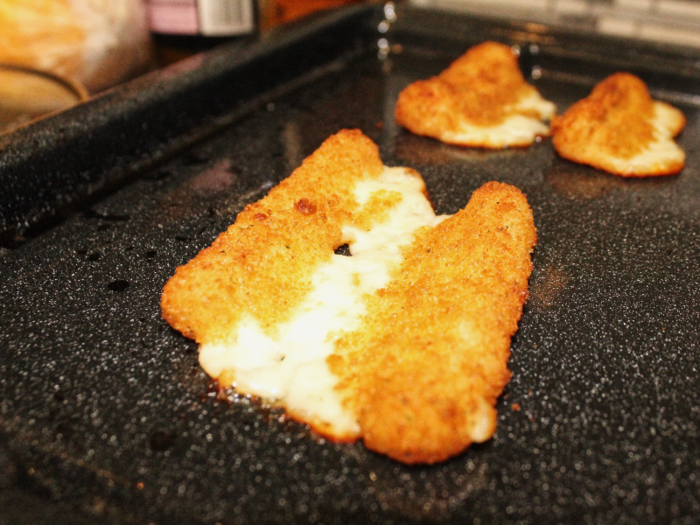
<point>95,42</point>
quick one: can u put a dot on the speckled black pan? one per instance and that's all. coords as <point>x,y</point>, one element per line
<point>105,416</point>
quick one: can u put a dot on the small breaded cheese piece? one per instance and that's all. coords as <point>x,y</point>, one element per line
<point>419,316</point>
<point>619,128</point>
<point>481,100</point>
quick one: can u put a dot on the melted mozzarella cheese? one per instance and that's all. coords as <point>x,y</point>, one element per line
<point>290,368</point>
<point>515,130</point>
<point>534,102</point>
<point>661,152</point>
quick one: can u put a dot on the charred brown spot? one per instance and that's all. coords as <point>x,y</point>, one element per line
<point>305,206</point>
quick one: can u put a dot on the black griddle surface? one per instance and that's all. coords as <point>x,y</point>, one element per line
<point>105,413</point>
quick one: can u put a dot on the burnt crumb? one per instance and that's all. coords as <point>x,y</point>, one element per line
<point>305,206</point>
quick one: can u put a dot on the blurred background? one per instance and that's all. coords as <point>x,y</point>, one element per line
<point>667,21</point>
<point>56,53</point>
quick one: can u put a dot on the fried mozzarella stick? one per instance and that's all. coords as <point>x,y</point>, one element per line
<point>404,343</point>
<point>481,100</point>
<point>619,128</point>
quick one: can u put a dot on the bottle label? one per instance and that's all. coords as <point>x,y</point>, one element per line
<point>201,17</point>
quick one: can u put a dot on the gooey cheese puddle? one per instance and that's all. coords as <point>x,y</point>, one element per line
<point>290,369</point>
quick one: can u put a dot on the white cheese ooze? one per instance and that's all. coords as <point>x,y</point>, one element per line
<point>661,152</point>
<point>515,130</point>
<point>290,369</point>
<point>534,102</point>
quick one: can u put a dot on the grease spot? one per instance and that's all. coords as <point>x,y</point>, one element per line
<point>119,285</point>
<point>161,441</point>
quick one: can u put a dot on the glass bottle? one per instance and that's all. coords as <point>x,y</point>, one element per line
<point>184,27</point>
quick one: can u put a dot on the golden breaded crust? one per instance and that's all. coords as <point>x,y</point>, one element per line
<point>619,128</point>
<point>480,89</point>
<point>424,371</point>
<point>274,245</point>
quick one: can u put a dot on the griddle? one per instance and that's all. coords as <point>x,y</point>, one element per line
<point>105,415</point>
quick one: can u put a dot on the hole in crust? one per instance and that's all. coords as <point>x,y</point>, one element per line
<point>343,249</point>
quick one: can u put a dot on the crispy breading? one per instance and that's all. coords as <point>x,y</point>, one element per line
<point>619,128</point>
<point>275,245</point>
<point>481,100</point>
<point>424,371</point>
<point>421,369</point>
